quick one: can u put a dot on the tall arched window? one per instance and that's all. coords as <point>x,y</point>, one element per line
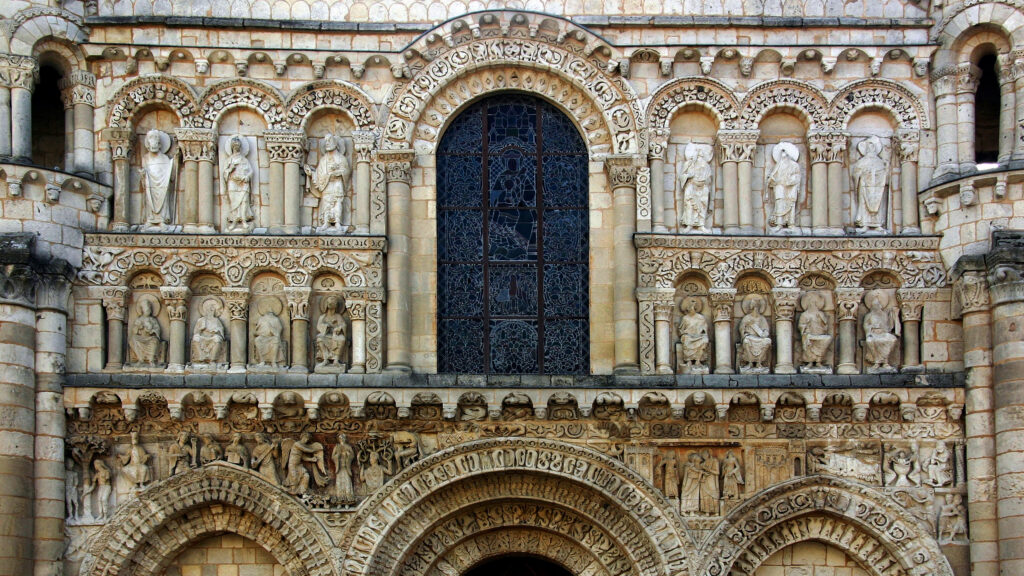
<point>48,122</point>
<point>987,107</point>
<point>512,228</point>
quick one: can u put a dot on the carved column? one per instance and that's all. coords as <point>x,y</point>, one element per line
<point>944,87</point>
<point>785,310</point>
<point>357,310</point>
<point>298,308</point>
<point>363,152</point>
<point>286,149</point>
<point>737,163</point>
<point>971,289</point>
<point>1008,107</point>
<point>847,304</point>
<point>198,147</point>
<point>114,302</point>
<point>1005,265</point>
<point>911,307</point>
<point>663,211</point>
<point>835,153</point>
<point>175,298</point>
<point>908,144</point>
<point>399,322</point>
<point>966,87</point>
<point>1018,125</point>
<point>818,145</point>
<point>622,180</point>
<point>68,164</point>
<point>5,108</point>
<point>17,387</point>
<point>51,350</point>
<point>80,95</point>
<point>663,337</point>
<point>22,75</point>
<point>238,308</point>
<point>120,142</point>
<point>188,206</point>
<point>722,302</point>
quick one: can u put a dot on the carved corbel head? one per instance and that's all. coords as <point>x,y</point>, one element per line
<point>931,206</point>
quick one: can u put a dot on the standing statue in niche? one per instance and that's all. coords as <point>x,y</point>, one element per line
<point>755,336</point>
<point>331,335</point>
<point>815,335</point>
<point>693,338</point>
<point>236,185</point>
<point>784,180</point>
<point>208,335</point>
<point>694,195</point>
<point>881,333</point>
<point>330,182</point>
<point>135,464</point>
<point>871,180</point>
<point>269,346</point>
<point>305,451</point>
<point>144,342</point>
<point>732,476</point>
<point>158,170</point>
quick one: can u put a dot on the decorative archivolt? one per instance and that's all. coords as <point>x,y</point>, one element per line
<point>783,94</point>
<point>48,22</point>
<point>240,92</point>
<point>905,107</point>
<point>915,261</point>
<point>381,531</point>
<point>329,94</point>
<point>680,92</point>
<point>854,517</point>
<point>147,532</point>
<point>518,54</point>
<point>113,261</point>
<point>142,92</point>
<point>960,17</point>
<point>566,552</point>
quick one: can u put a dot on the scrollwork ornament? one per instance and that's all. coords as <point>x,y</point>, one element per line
<point>972,292</point>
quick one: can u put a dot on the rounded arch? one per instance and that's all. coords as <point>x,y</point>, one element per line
<point>856,518</point>
<point>903,106</point>
<point>704,92</point>
<point>480,548</point>
<point>58,53</point>
<point>147,531</point>
<point>333,94</point>
<point>31,25</point>
<point>388,525</point>
<point>604,107</point>
<point>789,95</point>
<point>225,95</point>
<point>144,92</point>
<point>1004,15</point>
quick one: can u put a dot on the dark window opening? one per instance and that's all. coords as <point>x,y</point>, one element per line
<point>986,112</point>
<point>513,241</point>
<point>518,566</point>
<point>48,130</point>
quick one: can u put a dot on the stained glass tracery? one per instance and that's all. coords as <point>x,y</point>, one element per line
<point>512,241</point>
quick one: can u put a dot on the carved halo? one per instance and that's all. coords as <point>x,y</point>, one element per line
<point>691,303</point>
<point>212,305</point>
<point>243,144</point>
<point>165,139</point>
<point>269,304</point>
<point>750,301</point>
<point>872,143</point>
<point>153,301</point>
<point>787,147</point>
<point>337,299</point>
<point>875,299</point>
<point>812,300</point>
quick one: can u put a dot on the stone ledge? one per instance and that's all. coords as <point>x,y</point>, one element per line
<point>468,381</point>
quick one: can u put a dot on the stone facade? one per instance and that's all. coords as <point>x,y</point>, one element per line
<point>229,240</point>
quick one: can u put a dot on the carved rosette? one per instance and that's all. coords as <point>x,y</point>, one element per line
<point>785,300</point>
<point>197,144</point>
<point>827,146</point>
<point>848,302</point>
<point>737,145</point>
<point>298,302</point>
<point>285,145</point>
<point>115,301</point>
<point>174,299</point>
<point>722,302</point>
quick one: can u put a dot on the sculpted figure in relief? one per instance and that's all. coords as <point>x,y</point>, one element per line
<point>755,336</point>
<point>157,172</point>
<point>330,181</point>
<point>71,497</point>
<point>144,342</point>
<point>208,335</point>
<point>815,335</point>
<point>693,338</point>
<point>953,520</point>
<point>331,334</point>
<point>135,464</point>
<point>373,473</point>
<point>342,457</point>
<point>263,461</point>
<point>305,451</point>
<point>182,454</point>
<point>694,194</point>
<point>689,493</point>
<point>211,451</point>
<point>881,332</point>
<point>902,469</point>
<point>732,476</point>
<point>102,487</point>
<point>871,179</point>
<point>236,453</point>
<point>938,466</point>
<point>670,473</point>
<point>269,346</point>
<point>784,181</point>
<point>709,488</point>
<point>236,185</point>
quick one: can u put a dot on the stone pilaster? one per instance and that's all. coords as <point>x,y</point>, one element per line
<point>115,300</point>
<point>120,142</point>
<point>238,309</point>
<point>663,337</point>
<point>286,149</point>
<point>357,311</point>
<point>198,148</point>
<point>908,143</point>
<point>785,300</point>
<point>967,76</point>
<point>971,290</point>
<point>363,143</point>
<point>663,212</point>
<point>912,301</point>
<point>622,171</point>
<point>175,300</point>
<point>19,74</point>
<point>298,309</point>
<point>847,304</point>
<point>399,315</point>
<point>944,84</point>
<point>722,304</point>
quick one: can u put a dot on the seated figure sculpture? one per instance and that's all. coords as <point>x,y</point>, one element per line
<point>755,336</point>
<point>331,335</point>
<point>692,352</point>
<point>881,333</point>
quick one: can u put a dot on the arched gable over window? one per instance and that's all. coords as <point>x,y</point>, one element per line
<point>512,228</point>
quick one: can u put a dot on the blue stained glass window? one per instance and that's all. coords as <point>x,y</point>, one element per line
<point>513,251</point>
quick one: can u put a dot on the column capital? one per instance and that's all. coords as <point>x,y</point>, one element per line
<point>114,300</point>
<point>911,301</point>
<point>237,300</point>
<point>55,286</point>
<point>120,142</point>
<point>827,146</point>
<point>175,298</point>
<point>663,311</point>
<point>722,301</point>
<point>1005,263</point>
<point>967,76</point>
<point>785,300</point>
<point>298,301</point>
<point>909,143</point>
<point>848,302</point>
<point>944,80</point>
<point>621,170</point>
<point>197,144</point>
<point>738,145</point>
<point>362,144</point>
<point>658,145</point>
<point>78,87</point>
<point>356,308</point>
<point>285,145</point>
<point>398,164</point>
<point>18,71</point>
<point>970,284</point>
